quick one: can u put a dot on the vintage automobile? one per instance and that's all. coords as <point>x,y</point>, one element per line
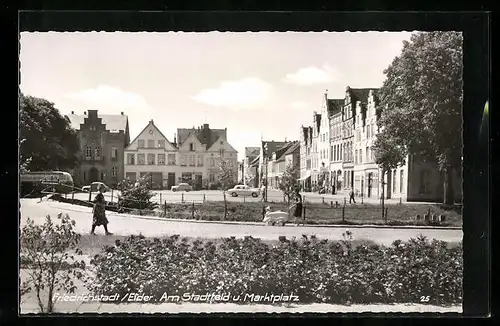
<point>243,190</point>
<point>94,186</point>
<point>275,218</point>
<point>182,187</point>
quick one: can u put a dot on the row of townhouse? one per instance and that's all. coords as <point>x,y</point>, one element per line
<point>108,155</point>
<point>336,154</point>
<point>267,164</point>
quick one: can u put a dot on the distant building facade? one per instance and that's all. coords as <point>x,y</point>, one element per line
<point>193,157</point>
<point>103,139</point>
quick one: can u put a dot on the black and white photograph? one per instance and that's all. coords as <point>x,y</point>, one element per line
<point>241,172</point>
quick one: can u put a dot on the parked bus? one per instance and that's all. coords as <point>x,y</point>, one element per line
<point>50,181</point>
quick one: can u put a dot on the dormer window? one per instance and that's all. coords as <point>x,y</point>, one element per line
<point>191,147</point>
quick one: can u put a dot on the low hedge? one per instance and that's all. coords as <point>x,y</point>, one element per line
<point>317,271</point>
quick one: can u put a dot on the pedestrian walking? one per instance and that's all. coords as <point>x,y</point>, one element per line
<point>99,212</point>
<point>263,191</point>
<point>298,207</point>
<point>351,196</point>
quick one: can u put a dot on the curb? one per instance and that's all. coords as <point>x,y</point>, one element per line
<point>346,226</point>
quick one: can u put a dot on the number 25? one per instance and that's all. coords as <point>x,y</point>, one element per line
<point>425,298</point>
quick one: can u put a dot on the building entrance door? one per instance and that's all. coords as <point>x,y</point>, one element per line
<point>171,180</point>
<point>93,175</point>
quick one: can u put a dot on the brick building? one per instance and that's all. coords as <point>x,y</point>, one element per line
<point>103,139</point>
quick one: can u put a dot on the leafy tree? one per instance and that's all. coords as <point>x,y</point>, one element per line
<point>45,255</point>
<point>136,195</point>
<point>48,141</point>
<point>422,101</point>
<point>226,178</point>
<point>288,182</point>
<point>389,154</point>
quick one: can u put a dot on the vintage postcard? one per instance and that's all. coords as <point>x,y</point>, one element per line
<point>235,172</point>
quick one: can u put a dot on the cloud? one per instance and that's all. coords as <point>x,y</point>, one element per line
<point>243,93</point>
<point>312,75</point>
<point>104,97</point>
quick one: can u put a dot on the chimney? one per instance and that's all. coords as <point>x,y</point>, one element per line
<point>205,126</point>
<point>121,113</point>
<point>72,112</point>
<point>175,140</point>
<point>85,112</point>
<point>326,95</point>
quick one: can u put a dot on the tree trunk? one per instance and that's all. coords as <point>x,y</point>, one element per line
<point>383,195</point>
<point>448,195</point>
<point>225,205</point>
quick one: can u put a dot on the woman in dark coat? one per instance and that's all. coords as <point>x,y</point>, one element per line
<point>298,206</point>
<point>99,213</point>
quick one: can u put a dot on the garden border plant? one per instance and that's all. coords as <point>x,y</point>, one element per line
<point>318,271</point>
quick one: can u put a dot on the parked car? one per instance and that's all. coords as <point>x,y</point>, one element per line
<point>275,218</point>
<point>182,187</point>
<point>94,186</point>
<point>243,190</point>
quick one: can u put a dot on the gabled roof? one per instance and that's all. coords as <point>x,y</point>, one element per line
<point>151,123</point>
<point>272,147</point>
<point>255,161</point>
<point>280,153</point>
<point>204,134</point>
<point>113,122</point>
<point>293,148</point>
<point>252,151</point>
<point>360,94</point>
<point>318,122</point>
<point>334,106</point>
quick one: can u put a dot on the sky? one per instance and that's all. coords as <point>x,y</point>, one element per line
<point>257,85</point>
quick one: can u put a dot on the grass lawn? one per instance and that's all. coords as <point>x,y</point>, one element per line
<point>398,214</point>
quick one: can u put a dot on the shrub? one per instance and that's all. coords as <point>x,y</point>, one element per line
<point>136,196</point>
<point>315,270</point>
<point>45,254</point>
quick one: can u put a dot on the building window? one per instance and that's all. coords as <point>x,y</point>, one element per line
<point>200,160</point>
<point>97,152</point>
<point>84,176</point>
<point>192,160</point>
<point>211,161</point>
<point>360,156</point>
<point>131,159</point>
<point>151,143</point>
<point>367,153</point>
<point>191,147</point>
<point>161,143</point>
<point>171,159</point>
<point>102,176</point>
<point>114,171</point>
<point>140,143</point>
<point>88,153</point>
<point>340,152</point>
<point>221,152</point>
<point>356,158</point>
<point>151,159</point>
<point>141,159</point>
<point>368,132</point>
<point>401,181</point>
<point>211,177</point>
<point>332,153</point>
<point>161,159</point>
<point>183,160</point>
<point>114,153</point>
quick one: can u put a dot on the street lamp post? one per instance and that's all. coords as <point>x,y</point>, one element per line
<point>266,162</point>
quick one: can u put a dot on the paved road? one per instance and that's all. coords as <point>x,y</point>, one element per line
<point>122,224</point>
<point>216,195</point>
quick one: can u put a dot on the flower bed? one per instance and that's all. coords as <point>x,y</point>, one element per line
<point>317,271</point>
